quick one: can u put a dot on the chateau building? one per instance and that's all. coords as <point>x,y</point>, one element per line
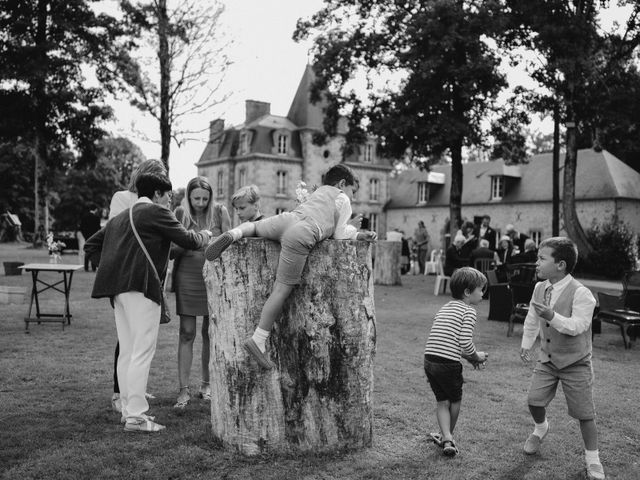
<point>276,153</point>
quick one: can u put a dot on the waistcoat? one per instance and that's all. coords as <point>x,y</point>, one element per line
<point>321,209</point>
<point>559,348</point>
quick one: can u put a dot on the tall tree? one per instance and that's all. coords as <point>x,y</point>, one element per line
<point>45,49</point>
<point>191,63</point>
<point>440,52</point>
<point>582,64</point>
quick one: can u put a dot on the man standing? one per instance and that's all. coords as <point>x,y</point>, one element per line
<point>421,237</point>
<point>486,232</point>
<point>89,224</point>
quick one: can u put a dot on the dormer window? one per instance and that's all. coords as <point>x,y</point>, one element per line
<point>423,192</point>
<point>245,142</point>
<point>368,153</point>
<point>497,187</point>
<point>281,142</point>
<point>374,190</point>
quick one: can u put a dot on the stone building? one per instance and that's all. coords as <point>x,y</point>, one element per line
<point>276,153</point>
<point>516,194</point>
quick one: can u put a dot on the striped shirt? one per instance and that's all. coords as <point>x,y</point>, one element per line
<point>452,331</point>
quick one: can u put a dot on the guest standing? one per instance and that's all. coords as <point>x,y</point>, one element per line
<point>421,237</point>
<point>198,211</point>
<point>89,224</point>
<point>485,231</point>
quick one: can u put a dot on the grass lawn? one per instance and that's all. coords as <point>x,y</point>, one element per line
<point>56,420</point>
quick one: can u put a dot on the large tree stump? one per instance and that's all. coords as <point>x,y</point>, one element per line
<point>387,264</point>
<point>319,396</point>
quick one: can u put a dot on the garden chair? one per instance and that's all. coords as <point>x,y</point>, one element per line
<point>483,265</point>
<point>441,278</point>
<point>623,310</point>
<point>522,281</point>
<point>432,265</point>
<point>499,298</point>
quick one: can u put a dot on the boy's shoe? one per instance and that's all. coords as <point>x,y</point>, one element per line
<point>219,245</point>
<point>436,438</point>
<point>532,445</point>
<point>449,448</point>
<point>595,472</point>
<point>205,392</point>
<point>143,424</point>
<point>253,350</point>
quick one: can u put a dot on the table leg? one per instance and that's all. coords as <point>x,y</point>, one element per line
<point>34,296</point>
<point>627,343</point>
<point>67,291</point>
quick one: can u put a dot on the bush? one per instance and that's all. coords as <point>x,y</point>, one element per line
<point>615,249</point>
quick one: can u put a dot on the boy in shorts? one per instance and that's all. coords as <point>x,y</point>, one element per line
<point>561,310</point>
<point>450,339</point>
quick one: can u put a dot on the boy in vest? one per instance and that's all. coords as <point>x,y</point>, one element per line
<point>325,214</point>
<point>561,309</point>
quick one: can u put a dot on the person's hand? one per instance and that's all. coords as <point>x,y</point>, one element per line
<point>367,236</point>
<point>525,355</point>
<point>542,310</point>
<point>356,221</point>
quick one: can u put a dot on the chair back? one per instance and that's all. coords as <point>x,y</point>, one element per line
<point>484,264</point>
<point>492,277</point>
<point>434,254</point>
<point>522,281</point>
<point>440,265</point>
<point>631,281</point>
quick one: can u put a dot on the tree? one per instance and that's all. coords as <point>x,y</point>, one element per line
<point>509,133</point>
<point>582,65</point>
<point>440,50</point>
<point>45,100</point>
<point>191,63</point>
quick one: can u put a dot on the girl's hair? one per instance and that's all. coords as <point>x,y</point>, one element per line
<point>147,184</point>
<point>466,278</point>
<point>563,248</point>
<point>250,193</point>
<point>189,216</point>
<point>148,166</point>
<point>340,172</point>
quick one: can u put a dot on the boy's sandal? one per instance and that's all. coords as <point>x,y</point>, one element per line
<point>436,438</point>
<point>449,448</point>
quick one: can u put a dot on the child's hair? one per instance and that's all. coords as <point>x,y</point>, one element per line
<point>148,183</point>
<point>148,166</point>
<point>340,172</point>
<point>562,248</point>
<point>250,193</point>
<point>189,216</point>
<point>466,278</point>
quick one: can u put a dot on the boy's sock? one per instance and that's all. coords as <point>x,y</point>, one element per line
<point>236,233</point>
<point>541,429</point>
<point>260,337</point>
<point>591,457</point>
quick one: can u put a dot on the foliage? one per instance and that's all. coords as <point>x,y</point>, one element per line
<point>439,52</point>
<point>509,132</point>
<point>191,62</point>
<point>16,182</point>
<point>615,249</point>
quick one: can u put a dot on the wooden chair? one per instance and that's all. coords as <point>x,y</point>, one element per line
<point>623,310</point>
<point>441,278</point>
<point>500,304</point>
<point>484,264</point>
<point>432,266</point>
<point>522,281</point>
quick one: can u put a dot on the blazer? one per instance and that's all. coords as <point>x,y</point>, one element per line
<point>123,266</point>
<point>489,235</point>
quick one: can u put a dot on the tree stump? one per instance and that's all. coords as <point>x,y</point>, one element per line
<point>387,265</point>
<point>319,395</point>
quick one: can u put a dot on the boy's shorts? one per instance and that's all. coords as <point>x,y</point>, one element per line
<point>577,384</point>
<point>445,377</point>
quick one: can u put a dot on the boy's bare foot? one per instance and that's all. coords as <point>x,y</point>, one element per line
<point>219,245</point>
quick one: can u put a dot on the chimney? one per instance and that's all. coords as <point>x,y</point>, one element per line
<point>255,109</point>
<point>215,129</point>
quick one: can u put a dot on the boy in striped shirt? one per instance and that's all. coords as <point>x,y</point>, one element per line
<point>451,339</point>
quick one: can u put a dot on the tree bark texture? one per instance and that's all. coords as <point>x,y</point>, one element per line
<point>387,265</point>
<point>319,395</point>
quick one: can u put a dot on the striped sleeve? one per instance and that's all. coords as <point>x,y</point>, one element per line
<point>452,331</point>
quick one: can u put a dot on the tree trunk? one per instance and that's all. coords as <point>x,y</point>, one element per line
<point>555,175</point>
<point>571,222</point>
<point>455,195</point>
<point>319,395</point>
<point>387,266</point>
<point>164,57</point>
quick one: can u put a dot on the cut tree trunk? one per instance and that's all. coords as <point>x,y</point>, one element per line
<point>387,265</point>
<point>319,395</point>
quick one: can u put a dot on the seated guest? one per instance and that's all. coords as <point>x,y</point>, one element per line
<point>530,254</point>
<point>505,250</point>
<point>483,251</point>
<point>470,240</point>
<point>517,238</point>
<point>453,257</point>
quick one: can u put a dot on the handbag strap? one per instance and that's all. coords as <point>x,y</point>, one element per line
<point>135,232</point>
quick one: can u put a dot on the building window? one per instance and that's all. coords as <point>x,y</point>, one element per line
<point>220,188</point>
<point>242,178</point>
<point>368,153</point>
<point>280,210</point>
<point>245,142</point>
<point>282,144</point>
<point>282,183</point>
<point>423,192</point>
<point>373,222</point>
<point>497,187</point>
<point>374,189</point>
<point>536,236</point>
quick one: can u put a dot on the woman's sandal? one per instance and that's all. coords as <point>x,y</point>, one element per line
<point>449,448</point>
<point>183,399</point>
<point>205,391</point>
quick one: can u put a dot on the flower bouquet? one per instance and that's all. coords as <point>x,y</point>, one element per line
<point>302,192</point>
<point>55,249</point>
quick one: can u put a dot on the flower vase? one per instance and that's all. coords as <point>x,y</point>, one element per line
<point>54,258</point>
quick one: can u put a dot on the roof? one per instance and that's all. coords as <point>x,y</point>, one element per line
<point>599,175</point>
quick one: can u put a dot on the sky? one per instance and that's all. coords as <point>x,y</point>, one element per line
<point>267,65</point>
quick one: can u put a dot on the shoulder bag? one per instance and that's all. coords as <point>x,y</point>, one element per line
<point>165,316</point>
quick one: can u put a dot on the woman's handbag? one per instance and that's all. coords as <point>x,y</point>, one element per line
<point>165,316</point>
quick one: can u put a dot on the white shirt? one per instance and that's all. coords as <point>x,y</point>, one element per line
<point>121,201</point>
<point>343,230</point>
<point>579,321</point>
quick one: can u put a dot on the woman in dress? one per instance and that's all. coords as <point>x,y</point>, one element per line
<point>198,211</point>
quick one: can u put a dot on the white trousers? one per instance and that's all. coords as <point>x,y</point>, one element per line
<point>137,322</point>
